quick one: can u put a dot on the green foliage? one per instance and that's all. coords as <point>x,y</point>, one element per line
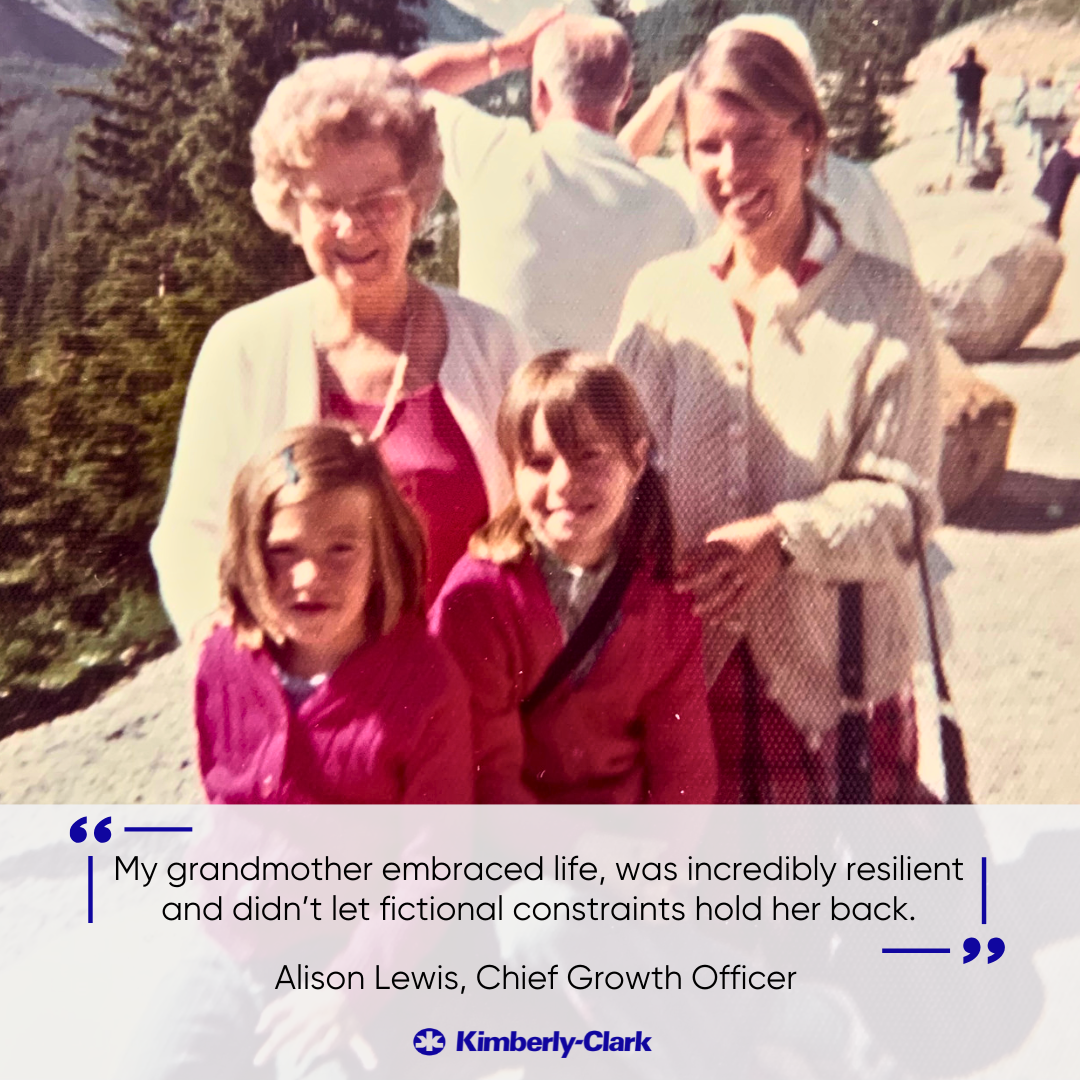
<point>665,38</point>
<point>434,254</point>
<point>161,239</point>
<point>862,48</point>
<point>33,138</point>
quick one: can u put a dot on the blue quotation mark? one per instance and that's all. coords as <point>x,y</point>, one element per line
<point>995,948</point>
<point>102,834</point>
<point>429,1041</point>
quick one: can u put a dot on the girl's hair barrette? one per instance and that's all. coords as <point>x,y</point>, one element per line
<point>292,474</point>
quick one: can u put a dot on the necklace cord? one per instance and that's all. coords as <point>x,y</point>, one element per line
<point>398,380</point>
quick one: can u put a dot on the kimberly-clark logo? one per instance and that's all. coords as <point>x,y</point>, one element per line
<point>593,1041</point>
<point>429,1041</point>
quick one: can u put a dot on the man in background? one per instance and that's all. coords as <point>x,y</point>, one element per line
<point>969,79</point>
<point>554,221</point>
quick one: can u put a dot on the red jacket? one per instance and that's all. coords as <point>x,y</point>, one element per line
<point>635,728</point>
<point>390,725</point>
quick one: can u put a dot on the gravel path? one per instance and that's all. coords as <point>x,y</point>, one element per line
<point>1013,591</point>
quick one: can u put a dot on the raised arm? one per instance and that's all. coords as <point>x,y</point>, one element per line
<point>643,134</point>
<point>456,69</point>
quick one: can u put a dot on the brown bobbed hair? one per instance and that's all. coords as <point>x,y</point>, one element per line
<point>756,71</point>
<point>300,463</point>
<point>568,386</point>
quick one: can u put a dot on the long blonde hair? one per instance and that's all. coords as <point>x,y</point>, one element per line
<point>303,462</point>
<point>565,385</point>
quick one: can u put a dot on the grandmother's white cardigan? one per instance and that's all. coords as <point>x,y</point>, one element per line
<point>827,419</point>
<point>255,376</point>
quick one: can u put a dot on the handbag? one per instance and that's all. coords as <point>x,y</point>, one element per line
<point>853,742</point>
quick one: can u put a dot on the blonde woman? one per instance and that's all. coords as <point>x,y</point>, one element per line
<point>347,163</point>
<point>792,387</point>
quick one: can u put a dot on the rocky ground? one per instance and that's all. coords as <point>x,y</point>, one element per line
<point>1015,560</point>
<point>1013,585</point>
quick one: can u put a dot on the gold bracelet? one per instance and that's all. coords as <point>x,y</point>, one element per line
<point>494,64</point>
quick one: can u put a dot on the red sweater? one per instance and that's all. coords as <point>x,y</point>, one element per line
<point>390,725</point>
<point>634,729</point>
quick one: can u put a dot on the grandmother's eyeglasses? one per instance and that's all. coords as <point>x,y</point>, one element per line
<point>376,209</point>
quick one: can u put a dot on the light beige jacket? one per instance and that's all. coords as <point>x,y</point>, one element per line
<point>827,419</point>
<point>256,375</point>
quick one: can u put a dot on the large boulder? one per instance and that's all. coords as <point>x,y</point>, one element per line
<point>990,280</point>
<point>978,420</point>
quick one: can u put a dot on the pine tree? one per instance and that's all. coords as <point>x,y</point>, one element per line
<point>704,17</point>
<point>666,37</point>
<point>163,241</point>
<point>863,48</point>
<point>7,109</point>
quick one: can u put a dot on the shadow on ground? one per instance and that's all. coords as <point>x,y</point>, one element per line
<point>24,707</point>
<point>1031,354</point>
<point>1025,503</point>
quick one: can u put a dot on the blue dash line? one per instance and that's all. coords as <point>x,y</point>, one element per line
<point>157,828</point>
<point>916,950</point>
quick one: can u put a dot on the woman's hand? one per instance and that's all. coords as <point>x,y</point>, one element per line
<point>311,1024</point>
<point>643,134</point>
<point>734,564</point>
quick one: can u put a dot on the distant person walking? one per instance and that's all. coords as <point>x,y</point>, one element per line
<point>1045,113</point>
<point>969,79</point>
<point>554,221</point>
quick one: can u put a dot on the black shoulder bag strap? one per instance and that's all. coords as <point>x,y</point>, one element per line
<point>853,738</point>
<point>853,750</point>
<point>601,611</point>
<point>954,757</point>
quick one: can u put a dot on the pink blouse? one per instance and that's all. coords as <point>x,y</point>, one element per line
<point>432,464</point>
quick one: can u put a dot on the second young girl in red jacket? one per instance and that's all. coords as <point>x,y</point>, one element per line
<point>583,662</point>
<point>327,686</point>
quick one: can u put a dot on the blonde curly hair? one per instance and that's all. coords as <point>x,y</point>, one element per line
<point>335,100</point>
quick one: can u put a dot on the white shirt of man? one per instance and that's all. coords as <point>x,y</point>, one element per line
<point>554,223</point>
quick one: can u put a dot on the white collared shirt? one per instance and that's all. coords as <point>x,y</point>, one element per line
<point>554,223</point>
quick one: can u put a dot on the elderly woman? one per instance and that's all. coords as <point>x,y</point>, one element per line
<point>792,386</point>
<point>347,163</point>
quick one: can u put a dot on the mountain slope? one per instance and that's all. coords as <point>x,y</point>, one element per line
<point>446,22</point>
<point>35,35</point>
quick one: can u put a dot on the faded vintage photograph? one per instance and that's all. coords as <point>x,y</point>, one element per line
<point>483,401</point>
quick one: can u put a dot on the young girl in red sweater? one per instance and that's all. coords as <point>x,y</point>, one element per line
<point>326,686</point>
<point>622,716</point>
